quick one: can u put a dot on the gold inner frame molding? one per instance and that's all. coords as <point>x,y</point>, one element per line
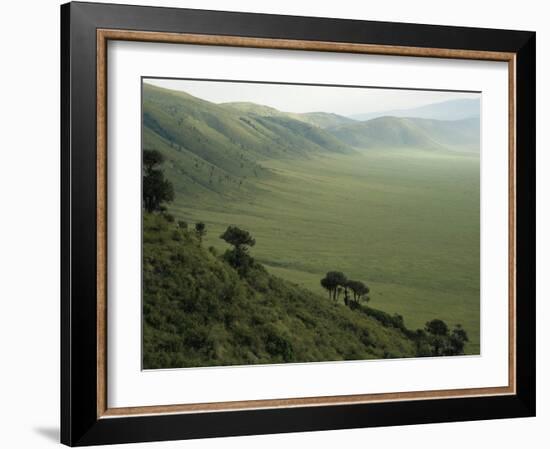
<point>105,35</point>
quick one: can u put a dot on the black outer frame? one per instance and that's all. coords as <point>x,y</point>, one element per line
<point>79,423</point>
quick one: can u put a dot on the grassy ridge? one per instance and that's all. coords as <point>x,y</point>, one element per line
<point>199,312</point>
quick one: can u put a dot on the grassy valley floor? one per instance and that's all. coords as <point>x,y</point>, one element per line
<point>406,222</point>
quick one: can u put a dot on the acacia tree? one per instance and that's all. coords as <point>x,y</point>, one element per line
<point>241,240</point>
<point>327,285</point>
<point>156,188</point>
<point>333,282</point>
<point>359,290</point>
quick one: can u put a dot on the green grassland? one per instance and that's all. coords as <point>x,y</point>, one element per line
<point>405,222</point>
<point>384,201</point>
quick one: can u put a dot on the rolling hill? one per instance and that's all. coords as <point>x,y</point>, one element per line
<point>324,119</point>
<point>397,132</point>
<point>319,119</point>
<point>219,148</point>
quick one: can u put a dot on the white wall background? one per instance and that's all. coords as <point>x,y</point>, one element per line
<point>29,224</point>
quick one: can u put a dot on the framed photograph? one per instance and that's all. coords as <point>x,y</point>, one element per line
<point>279,224</point>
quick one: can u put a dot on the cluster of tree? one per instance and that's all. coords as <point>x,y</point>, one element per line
<point>336,283</point>
<point>436,339</point>
<point>442,340</point>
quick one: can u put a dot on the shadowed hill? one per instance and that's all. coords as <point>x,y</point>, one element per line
<point>397,132</point>
<point>210,147</point>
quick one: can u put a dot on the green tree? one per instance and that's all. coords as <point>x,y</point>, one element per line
<point>200,230</point>
<point>438,335</point>
<point>327,285</point>
<point>437,327</point>
<point>457,341</point>
<point>332,282</point>
<point>156,188</point>
<point>241,240</point>
<point>359,290</point>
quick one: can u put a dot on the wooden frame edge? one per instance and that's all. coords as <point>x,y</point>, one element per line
<point>103,36</point>
<point>319,401</point>
<point>101,223</point>
<point>512,198</point>
<point>291,44</point>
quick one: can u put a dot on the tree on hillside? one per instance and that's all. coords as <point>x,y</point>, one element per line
<point>438,332</point>
<point>359,289</point>
<point>156,188</point>
<point>241,240</point>
<point>333,282</point>
<point>437,327</point>
<point>444,342</point>
<point>200,230</point>
<point>151,159</point>
<point>327,285</point>
<point>457,340</point>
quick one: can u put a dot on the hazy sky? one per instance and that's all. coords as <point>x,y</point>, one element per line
<point>292,98</point>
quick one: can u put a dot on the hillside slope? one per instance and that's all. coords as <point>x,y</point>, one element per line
<point>398,132</point>
<point>217,148</point>
<point>198,311</point>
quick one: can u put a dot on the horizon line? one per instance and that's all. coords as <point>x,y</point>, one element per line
<point>143,79</point>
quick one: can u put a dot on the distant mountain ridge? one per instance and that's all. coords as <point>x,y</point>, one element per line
<point>398,132</point>
<point>446,110</point>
